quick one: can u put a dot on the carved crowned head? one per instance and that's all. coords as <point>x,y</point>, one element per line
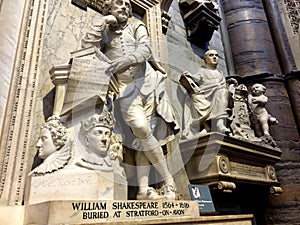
<point>96,132</point>
<point>53,136</point>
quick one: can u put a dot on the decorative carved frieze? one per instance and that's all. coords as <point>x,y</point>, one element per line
<point>293,9</point>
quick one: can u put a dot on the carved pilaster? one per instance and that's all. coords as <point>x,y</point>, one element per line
<point>18,123</point>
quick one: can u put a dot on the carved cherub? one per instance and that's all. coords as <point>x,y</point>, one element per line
<point>54,147</point>
<point>257,101</point>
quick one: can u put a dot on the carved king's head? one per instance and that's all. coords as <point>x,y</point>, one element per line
<point>96,132</point>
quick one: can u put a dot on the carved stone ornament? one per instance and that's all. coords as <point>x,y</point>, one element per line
<point>240,115</point>
<point>96,132</point>
<point>200,19</point>
<point>293,9</point>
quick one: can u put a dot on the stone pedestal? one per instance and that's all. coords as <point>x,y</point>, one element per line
<point>76,184</point>
<point>221,161</point>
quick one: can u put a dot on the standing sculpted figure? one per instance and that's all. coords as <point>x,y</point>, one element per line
<point>209,95</point>
<point>257,101</point>
<point>54,147</point>
<point>141,95</point>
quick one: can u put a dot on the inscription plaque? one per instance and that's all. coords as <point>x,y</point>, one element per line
<point>69,212</point>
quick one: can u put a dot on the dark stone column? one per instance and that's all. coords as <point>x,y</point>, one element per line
<point>293,86</point>
<point>250,37</point>
<point>281,42</point>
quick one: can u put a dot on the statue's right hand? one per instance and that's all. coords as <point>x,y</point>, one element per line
<point>111,20</point>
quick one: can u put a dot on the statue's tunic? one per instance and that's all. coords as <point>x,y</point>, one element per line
<point>141,85</point>
<point>211,101</point>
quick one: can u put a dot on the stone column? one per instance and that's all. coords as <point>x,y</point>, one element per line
<point>293,86</point>
<point>285,55</point>
<point>250,37</point>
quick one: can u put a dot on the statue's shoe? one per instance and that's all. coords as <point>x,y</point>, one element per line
<point>150,194</point>
<point>168,191</point>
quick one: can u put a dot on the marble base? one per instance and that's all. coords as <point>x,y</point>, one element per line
<point>125,212</point>
<point>76,184</point>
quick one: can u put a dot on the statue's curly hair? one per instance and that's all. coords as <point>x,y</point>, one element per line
<point>106,7</point>
<point>57,130</point>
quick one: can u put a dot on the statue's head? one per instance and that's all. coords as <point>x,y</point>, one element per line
<point>258,89</point>
<point>121,9</point>
<point>53,136</point>
<point>96,132</point>
<point>211,58</point>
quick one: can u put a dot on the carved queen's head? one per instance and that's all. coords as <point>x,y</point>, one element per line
<point>53,136</point>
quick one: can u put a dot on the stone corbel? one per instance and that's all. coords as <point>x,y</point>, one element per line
<point>200,24</point>
<point>275,190</point>
<point>224,186</point>
<point>59,75</point>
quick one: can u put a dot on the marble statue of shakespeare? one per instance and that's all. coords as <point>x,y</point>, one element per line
<point>140,94</point>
